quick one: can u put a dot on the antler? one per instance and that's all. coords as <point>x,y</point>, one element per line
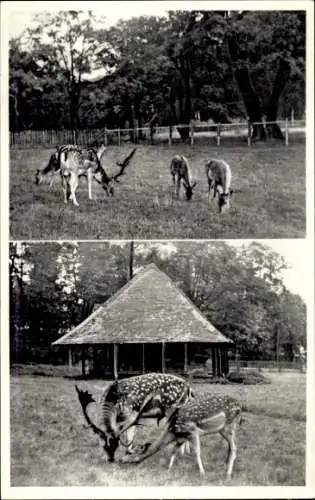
<point>85,399</point>
<point>124,164</point>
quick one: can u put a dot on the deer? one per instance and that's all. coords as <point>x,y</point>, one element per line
<point>218,174</point>
<point>125,402</point>
<point>205,414</point>
<point>53,166</point>
<point>181,174</point>
<point>76,162</point>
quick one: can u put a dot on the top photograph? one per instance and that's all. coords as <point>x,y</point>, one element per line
<point>150,123</point>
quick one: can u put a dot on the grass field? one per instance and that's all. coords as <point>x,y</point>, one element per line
<point>50,446</point>
<point>269,198</point>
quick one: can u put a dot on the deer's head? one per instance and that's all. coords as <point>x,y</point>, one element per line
<point>52,166</point>
<point>224,200</point>
<point>38,177</point>
<point>189,190</point>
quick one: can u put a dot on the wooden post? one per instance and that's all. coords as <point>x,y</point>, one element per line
<point>214,362</point>
<point>292,117</point>
<point>170,134</point>
<point>70,360</point>
<point>191,126</point>
<point>94,358</point>
<point>163,357</point>
<point>119,137</point>
<point>249,133</point>
<point>143,359</point>
<point>186,358</point>
<point>115,352</point>
<point>219,362</point>
<point>83,361</point>
<point>286,132</point>
<point>218,134</point>
<point>105,136</point>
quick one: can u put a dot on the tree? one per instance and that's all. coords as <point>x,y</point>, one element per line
<point>261,45</point>
<point>25,86</point>
<point>65,45</point>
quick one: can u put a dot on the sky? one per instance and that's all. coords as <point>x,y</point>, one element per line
<point>20,17</point>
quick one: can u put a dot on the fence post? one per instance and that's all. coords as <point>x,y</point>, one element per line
<point>218,134</point>
<point>191,133</point>
<point>105,136</point>
<point>286,132</point>
<point>170,134</point>
<point>249,133</point>
<point>119,137</point>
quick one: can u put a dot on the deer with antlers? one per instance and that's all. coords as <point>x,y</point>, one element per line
<point>76,162</point>
<point>205,414</point>
<point>219,176</point>
<point>125,402</point>
<point>181,174</point>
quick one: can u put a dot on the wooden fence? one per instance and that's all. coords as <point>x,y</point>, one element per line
<point>217,134</point>
<point>241,365</point>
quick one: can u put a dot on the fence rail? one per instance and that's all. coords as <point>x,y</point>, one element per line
<point>271,365</point>
<point>215,133</point>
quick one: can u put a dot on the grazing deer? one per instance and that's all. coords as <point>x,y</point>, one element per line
<point>52,168</point>
<point>75,162</point>
<point>126,401</point>
<point>218,174</point>
<point>205,414</point>
<point>180,172</point>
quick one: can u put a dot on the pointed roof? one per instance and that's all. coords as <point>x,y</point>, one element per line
<point>150,308</point>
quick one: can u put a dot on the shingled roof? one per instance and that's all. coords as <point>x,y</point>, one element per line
<point>150,308</point>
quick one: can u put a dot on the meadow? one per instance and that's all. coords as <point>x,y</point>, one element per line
<point>268,199</point>
<point>51,446</point>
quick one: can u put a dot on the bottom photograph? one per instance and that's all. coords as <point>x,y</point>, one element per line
<point>167,363</point>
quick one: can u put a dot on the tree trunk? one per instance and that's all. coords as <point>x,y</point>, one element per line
<point>280,81</point>
<point>250,98</point>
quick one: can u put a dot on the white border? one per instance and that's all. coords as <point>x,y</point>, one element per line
<point>156,492</point>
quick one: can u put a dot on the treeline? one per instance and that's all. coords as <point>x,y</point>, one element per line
<point>54,286</point>
<point>216,65</point>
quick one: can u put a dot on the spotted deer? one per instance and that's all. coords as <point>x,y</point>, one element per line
<point>181,173</point>
<point>75,162</point>
<point>205,414</point>
<point>129,400</point>
<point>54,165</point>
<point>219,176</point>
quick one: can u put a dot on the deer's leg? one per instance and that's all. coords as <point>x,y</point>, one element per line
<point>65,188</point>
<point>89,180</point>
<point>73,183</point>
<point>174,186</point>
<point>177,187</point>
<point>229,436</point>
<point>177,447</point>
<point>51,179</point>
<point>195,440</point>
<point>129,436</point>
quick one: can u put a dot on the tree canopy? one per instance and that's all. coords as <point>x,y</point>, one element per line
<point>219,64</point>
<point>54,286</point>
